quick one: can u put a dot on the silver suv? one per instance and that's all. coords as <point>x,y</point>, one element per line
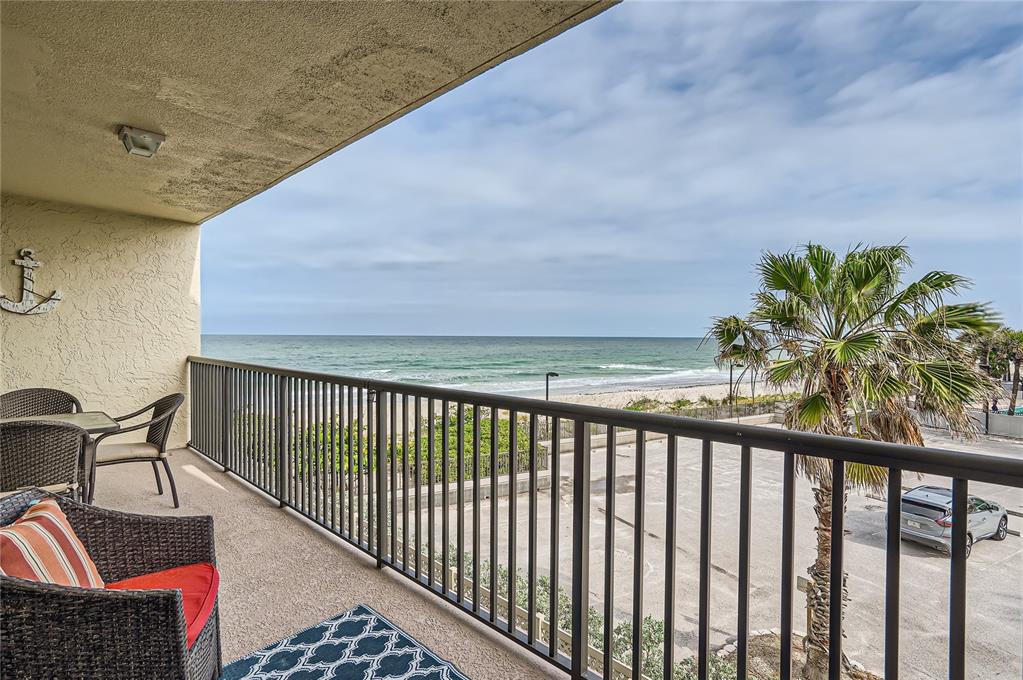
<point>927,518</point>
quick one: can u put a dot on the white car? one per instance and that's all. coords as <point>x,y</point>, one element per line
<point>927,518</point>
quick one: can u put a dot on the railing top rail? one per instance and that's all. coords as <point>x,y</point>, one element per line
<point>994,469</point>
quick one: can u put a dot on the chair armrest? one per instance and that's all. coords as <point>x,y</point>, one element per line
<point>142,410</point>
<point>124,545</point>
<point>53,631</point>
<point>130,428</point>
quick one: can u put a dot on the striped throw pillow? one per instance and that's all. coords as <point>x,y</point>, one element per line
<point>41,546</point>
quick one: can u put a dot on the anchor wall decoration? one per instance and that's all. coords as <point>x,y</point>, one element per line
<point>30,302</point>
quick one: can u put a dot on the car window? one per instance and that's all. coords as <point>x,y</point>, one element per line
<point>976,505</point>
<point>927,510</point>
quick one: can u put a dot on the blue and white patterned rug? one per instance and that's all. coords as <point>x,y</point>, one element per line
<point>357,645</point>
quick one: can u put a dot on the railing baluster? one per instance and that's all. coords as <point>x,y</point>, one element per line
<point>639,529</point>
<point>580,550</point>
<point>351,458</point>
<point>257,431</point>
<point>325,494</point>
<point>513,494</point>
<point>788,518</point>
<point>670,540</point>
<point>258,462</point>
<point>222,402</point>
<point>609,550</point>
<point>241,465</point>
<point>745,498</point>
<point>236,425</point>
<point>252,471</point>
<point>837,577</point>
<point>252,461</point>
<point>555,445</point>
<point>360,428</point>
<point>192,415</point>
<point>287,454</point>
<point>279,439</point>
<point>299,457</point>
<point>318,433</point>
<point>429,489</point>
<point>493,513</point>
<point>476,507</point>
<point>336,447</point>
<point>957,583</point>
<point>392,450</point>
<point>460,498</point>
<point>418,482</point>
<point>531,569</point>
<point>382,475</point>
<point>444,537</point>
<point>307,430</point>
<point>326,466</point>
<point>250,433</point>
<point>404,481</point>
<point>706,517</point>
<point>372,468</point>
<point>893,550</point>
<point>265,422</point>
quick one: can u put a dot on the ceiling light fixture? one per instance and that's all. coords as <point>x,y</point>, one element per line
<point>140,142</point>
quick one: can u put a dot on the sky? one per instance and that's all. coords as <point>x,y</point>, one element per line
<point>623,178</point>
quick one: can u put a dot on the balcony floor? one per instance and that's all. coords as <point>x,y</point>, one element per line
<point>280,574</point>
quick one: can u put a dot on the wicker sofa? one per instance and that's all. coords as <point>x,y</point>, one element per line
<point>49,631</point>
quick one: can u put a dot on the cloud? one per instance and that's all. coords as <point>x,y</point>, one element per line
<point>643,159</point>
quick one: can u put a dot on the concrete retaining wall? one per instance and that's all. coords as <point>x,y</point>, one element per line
<point>998,424</point>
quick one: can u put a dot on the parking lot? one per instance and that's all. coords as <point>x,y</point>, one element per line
<point>995,571</point>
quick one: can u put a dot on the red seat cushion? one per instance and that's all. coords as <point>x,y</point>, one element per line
<point>198,584</point>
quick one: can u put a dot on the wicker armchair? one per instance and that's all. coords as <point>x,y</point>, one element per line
<point>37,401</point>
<point>36,453</point>
<point>49,631</point>
<point>153,450</point>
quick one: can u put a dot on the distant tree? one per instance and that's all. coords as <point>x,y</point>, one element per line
<point>861,345</point>
<point>1012,348</point>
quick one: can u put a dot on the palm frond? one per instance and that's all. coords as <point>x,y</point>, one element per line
<point>965,316</point>
<point>787,272</point>
<point>849,349</point>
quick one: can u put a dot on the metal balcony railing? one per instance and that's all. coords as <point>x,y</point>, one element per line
<point>374,461</point>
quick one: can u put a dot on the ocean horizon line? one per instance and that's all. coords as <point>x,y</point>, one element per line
<point>448,336</point>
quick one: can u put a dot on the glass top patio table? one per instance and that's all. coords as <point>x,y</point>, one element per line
<point>93,422</point>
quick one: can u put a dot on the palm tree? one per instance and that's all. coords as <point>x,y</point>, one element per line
<point>1011,347</point>
<point>866,349</point>
<point>986,349</point>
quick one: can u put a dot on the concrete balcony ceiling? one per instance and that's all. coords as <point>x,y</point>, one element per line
<point>246,93</point>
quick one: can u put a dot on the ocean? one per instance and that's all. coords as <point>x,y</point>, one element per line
<point>506,365</point>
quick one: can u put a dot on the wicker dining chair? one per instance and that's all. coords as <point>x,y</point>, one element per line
<point>36,453</point>
<point>152,450</point>
<point>52,631</point>
<point>37,401</point>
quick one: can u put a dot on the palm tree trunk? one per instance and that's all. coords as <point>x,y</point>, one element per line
<point>1015,387</point>
<point>815,643</point>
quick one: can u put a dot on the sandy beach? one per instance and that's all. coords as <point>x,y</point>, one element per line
<point>621,398</point>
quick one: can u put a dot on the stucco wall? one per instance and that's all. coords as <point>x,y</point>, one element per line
<point>130,314</point>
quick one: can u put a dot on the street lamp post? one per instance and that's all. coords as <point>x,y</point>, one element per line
<point>731,389</point>
<point>731,393</point>
<point>547,381</point>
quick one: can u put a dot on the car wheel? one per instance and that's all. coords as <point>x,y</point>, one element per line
<point>969,544</point>
<point>1003,529</point>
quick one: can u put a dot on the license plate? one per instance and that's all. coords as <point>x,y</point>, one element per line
<point>915,525</point>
